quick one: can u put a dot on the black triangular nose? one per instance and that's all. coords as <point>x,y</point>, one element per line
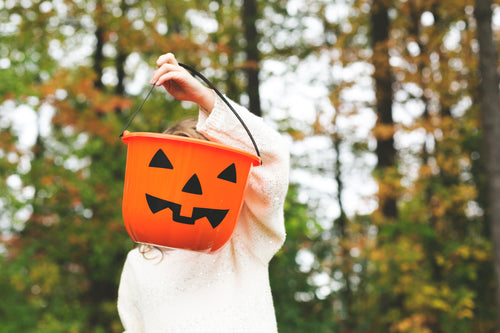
<point>193,185</point>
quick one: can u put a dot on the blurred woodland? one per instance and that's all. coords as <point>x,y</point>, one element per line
<point>421,75</point>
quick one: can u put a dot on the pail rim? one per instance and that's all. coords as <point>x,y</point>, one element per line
<point>127,136</point>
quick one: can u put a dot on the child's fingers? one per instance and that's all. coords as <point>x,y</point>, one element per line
<point>169,77</point>
<point>167,58</point>
<point>165,68</point>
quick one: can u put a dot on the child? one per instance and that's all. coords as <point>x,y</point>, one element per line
<point>227,291</point>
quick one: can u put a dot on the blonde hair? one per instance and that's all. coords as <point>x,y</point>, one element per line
<point>186,128</point>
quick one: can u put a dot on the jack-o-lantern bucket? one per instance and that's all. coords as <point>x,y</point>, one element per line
<point>183,192</point>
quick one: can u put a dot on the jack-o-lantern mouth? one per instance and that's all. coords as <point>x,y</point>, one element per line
<point>214,216</point>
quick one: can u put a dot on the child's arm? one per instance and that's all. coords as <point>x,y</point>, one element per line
<point>261,229</point>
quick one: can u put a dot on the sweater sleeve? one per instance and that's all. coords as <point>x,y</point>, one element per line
<point>128,299</point>
<point>261,228</point>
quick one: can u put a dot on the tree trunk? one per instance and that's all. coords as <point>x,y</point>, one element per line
<point>490,110</point>
<point>121,57</point>
<point>249,14</point>
<point>99,57</point>
<point>386,153</point>
<point>98,53</point>
<point>341,225</point>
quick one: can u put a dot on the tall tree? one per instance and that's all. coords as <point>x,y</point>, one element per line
<point>383,78</point>
<point>250,15</point>
<point>490,115</point>
<point>386,170</point>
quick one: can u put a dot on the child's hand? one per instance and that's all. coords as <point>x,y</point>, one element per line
<point>180,84</point>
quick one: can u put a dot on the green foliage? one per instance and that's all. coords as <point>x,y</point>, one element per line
<point>297,306</point>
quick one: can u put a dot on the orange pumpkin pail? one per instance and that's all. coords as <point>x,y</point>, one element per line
<point>183,192</point>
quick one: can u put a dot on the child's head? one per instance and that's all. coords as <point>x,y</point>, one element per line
<point>186,128</point>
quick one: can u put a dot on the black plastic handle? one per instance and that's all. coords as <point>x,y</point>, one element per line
<point>194,72</point>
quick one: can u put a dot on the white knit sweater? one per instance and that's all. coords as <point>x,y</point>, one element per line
<point>228,291</point>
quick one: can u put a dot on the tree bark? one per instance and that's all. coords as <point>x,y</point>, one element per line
<point>347,322</point>
<point>99,47</point>
<point>490,111</point>
<point>99,57</point>
<point>250,15</point>
<point>386,153</point>
<point>121,57</point>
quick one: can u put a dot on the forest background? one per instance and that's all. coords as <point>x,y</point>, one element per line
<point>391,108</point>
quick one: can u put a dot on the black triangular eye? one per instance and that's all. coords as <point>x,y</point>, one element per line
<point>160,160</point>
<point>193,185</point>
<point>228,174</point>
